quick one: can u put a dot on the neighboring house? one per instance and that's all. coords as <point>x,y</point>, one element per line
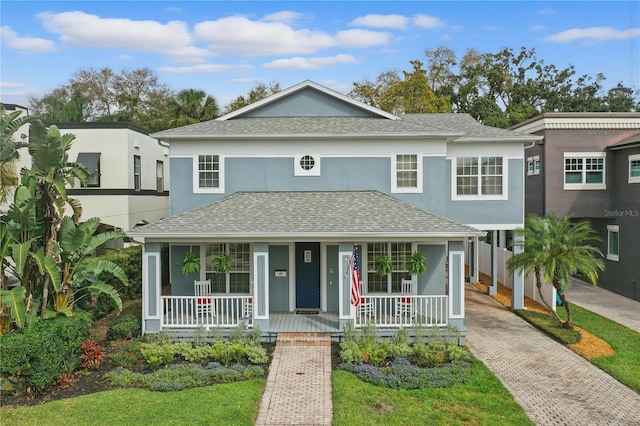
<point>289,185</point>
<point>588,166</point>
<point>129,184</point>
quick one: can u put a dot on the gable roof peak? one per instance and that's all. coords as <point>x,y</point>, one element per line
<point>306,84</point>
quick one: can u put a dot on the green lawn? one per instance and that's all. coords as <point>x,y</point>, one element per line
<point>482,401</point>
<point>225,404</point>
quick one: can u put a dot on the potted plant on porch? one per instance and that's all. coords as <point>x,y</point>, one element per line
<point>190,263</point>
<point>222,262</point>
<point>383,265</point>
<point>415,263</point>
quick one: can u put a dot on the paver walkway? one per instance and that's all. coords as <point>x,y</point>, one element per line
<point>606,303</point>
<point>298,390</point>
<point>554,385</point>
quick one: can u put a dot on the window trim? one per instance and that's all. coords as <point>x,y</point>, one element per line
<point>196,176</point>
<point>488,197</point>
<point>534,161</point>
<point>394,175</point>
<point>633,179</point>
<point>299,171</point>
<point>583,185</point>
<point>613,229</point>
<point>137,183</point>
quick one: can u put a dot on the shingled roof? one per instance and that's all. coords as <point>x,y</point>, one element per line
<point>298,216</point>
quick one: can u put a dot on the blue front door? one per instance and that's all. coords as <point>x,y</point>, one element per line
<point>308,275</point>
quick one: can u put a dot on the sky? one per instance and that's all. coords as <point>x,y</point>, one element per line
<point>226,47</point>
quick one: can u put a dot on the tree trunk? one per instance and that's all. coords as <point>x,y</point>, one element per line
<point>539,286</point>
<point>569,322</point>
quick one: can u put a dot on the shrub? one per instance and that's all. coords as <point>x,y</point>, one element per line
<point>157,355</point>
<point>128,356</point>
<point>126,327</point>
<point>40,354</point>
<point>92,355</point>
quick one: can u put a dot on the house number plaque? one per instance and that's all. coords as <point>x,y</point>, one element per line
<point>307,256</point>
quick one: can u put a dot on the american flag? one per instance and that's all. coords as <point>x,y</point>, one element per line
<point>354,269</point>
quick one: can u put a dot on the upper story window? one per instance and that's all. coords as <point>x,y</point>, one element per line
<point>584,170</point>
<point>479,177</point>
<point>406,173</point>
<point>634,168</point>
<point>91,161</point>
<point>306,165</point>
<point>159,176</point>
<point>137,170</point>
<point>533,165</point>
<point>208,173</point>
<point>237,280</point>
<point>613,242</point>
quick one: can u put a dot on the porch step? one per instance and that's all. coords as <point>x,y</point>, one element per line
<point>308,339</point>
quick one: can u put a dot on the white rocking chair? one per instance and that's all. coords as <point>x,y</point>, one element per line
<point>204,304</point>
<point>405,305</point>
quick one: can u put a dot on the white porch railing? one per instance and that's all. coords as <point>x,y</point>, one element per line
<point>402,311</point>
<point>224,311</point>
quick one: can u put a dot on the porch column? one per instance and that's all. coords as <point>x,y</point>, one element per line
<point>151,288</point>
<point>346,311</point>
<point>456,286</point>
<point>261,285</point>
<point>517,301</point>
<point>493,288</point>
<point>474,260</point>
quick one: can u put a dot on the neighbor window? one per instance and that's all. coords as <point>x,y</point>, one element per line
<point>584,170</point>
<point>91,161</point>
<point>137,178</point>
<point>398,254</point>
<point>159,176</point>
<point>533,165</point>
<point>479,177</point>
<point>613,243</point>
<point>634,168</point>
<point>237,280</point>
<point>406,173</point>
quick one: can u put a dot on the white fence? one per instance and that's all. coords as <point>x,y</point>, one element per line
<point>206,311</point>
<point>402,311</point>
<point>504,277</point>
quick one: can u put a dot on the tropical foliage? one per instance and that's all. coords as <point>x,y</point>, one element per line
<point>47,252</point>
<point>10,124</point>
<point>555,249</point>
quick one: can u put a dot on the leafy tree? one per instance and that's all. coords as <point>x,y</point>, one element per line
<point>556,249</point>
<point>9,154</point>
<point>410,93</point>
<point>192,106</point>
<point>259,91</point>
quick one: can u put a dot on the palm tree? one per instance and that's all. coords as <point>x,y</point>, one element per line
<point>9,154</point>
<point>560,248</point>
<point>192,106</point>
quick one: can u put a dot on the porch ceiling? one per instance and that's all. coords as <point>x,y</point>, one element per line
<point>306,215</point>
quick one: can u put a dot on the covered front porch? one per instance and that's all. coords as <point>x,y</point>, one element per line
<point>295,276</point>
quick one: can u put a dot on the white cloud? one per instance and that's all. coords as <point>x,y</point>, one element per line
<point>593,34</point>
<point>300,63</point>
<point>285,16</point>
<point>546,12</point>
<point>84,30</point>
<point>381,21</point>
<point>427,21</point>
<point>238,35</point>
<point>361,38</point>
<point>11,85</point>
<point>12,40</point>
<point>537,28</point>
<point>196,69</point>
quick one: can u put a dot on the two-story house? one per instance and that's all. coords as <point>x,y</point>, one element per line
<point>588,166</point>
<point>129,184</point>
<point>290,187</point>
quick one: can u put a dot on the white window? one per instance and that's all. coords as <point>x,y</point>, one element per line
<point>208,174</point>
<point>159,176</point>
<point>613,243</point>
<point>406,173</point>
<point>306,165</point>
<point>584,170</point>
<point>137,178</point>
<point>237,280</point>
<point>634,168</point>
<point>533,165</point>
<point>479,177</point>
<point>398,254</point>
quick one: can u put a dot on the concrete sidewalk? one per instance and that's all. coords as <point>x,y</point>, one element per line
<point>554,385</point>
<point>610,305</point>
<point>298,390</point>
